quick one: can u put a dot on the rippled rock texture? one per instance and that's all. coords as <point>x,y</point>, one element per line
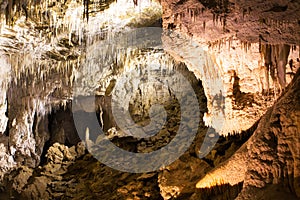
<point>268,162</point>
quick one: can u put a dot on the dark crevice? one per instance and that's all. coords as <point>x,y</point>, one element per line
<point>43,159</point>
<point>228,145</point>
<point>35,125</point>
<point>171,26</point>
<point>61,126</point>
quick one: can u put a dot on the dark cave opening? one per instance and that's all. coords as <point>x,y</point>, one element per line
<point>61,126</point>
<point>61,129</point>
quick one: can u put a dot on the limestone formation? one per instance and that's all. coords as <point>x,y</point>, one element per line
<point>64,58</point>
<point>270,156</point>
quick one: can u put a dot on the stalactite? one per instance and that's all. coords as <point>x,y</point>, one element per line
<point>214,18</point>
<point>86,9</point>
<point>244,12</point>
<point>276,59</point>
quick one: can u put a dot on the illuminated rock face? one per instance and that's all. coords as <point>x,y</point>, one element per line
<point>249,21</point>
<point>40,59</point>
<point>243,50</point>
<point>239,72</point>
<point>268,163</point>
<point>274,148</point>
<point>231,60</point>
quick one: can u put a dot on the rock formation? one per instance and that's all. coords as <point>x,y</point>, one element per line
<point>64,58</point>
<point>268,157</point>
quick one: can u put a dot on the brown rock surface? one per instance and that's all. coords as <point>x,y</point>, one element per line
<point>268,163</point>
<point>274,148</point>
<point>269,21</point>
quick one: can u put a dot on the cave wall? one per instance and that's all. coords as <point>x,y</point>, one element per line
<point>231,59</point>
<point>45,54</point>
<point>268,163</point>
<point>274,148</point>
<point>41,55</point>
<point>273,22</point>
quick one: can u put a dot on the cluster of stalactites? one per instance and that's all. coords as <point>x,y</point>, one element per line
<point>195,11</point>
<point>192,13</point>
<point>228,41</point>
<point>37,85</point>
<point>12,9</point>
<point>275,60</point>
<point>105,61</point>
